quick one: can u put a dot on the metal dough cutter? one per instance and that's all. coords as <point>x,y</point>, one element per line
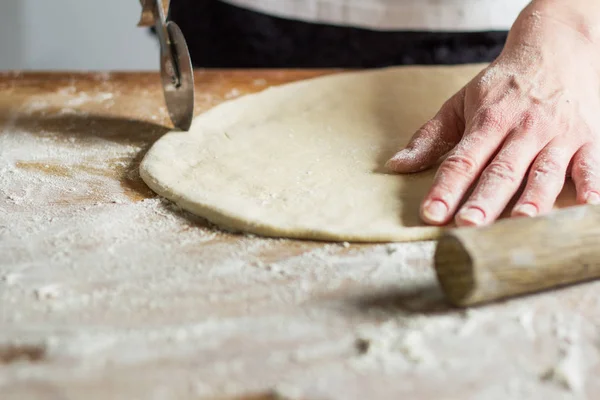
<point>176,70</point>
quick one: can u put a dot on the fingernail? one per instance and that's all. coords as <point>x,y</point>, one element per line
<point>593,198</point>
<point>527,210</point>
<point>436,211</point>
<point>471,216</point>
<point>400,156</point>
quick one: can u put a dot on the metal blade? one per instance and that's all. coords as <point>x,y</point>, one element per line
<point>177,77</point>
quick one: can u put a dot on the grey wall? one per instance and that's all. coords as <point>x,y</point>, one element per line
<point>11,49</point>
<point>74,35</point>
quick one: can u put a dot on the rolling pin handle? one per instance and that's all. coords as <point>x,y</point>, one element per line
<point>519,256</point>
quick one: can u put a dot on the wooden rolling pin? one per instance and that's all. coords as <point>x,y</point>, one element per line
<point>519,256</point>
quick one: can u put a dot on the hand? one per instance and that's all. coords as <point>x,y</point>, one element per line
<point>533,115</point>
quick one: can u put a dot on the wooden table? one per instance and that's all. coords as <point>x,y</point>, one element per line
<point>108,292</point>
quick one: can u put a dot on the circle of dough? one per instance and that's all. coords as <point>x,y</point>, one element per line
<point>306,159</point>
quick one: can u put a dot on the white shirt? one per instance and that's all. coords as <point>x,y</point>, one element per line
<point>411,15</point>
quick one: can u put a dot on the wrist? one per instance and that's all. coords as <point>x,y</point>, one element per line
<point>551,29</point>
<point>582,16</point>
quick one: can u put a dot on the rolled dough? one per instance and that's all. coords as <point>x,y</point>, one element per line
<point>306,160</point>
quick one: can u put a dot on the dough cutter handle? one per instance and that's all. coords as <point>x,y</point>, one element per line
<point>177,74</point>
<point>519,256</point>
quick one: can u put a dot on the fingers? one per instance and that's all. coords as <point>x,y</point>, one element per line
<point>434,139</point>
<point>586,174</point>
<point>458,172</point>
<point>502,177</point>
<point>546,179</point>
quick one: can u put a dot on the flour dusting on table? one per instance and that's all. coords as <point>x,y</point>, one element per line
<point>103,284</point>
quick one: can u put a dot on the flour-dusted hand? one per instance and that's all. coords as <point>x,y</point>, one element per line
<point>532,116</point>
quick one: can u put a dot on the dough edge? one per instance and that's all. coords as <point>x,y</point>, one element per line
<point>236,222</point>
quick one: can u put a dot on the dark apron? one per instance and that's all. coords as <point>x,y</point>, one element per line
<point>220,35</point>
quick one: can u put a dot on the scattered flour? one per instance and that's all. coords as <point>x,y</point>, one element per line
<point>568,371</point>
<point>106,284</point>
<point>233,93</point>
<point>47,292</point>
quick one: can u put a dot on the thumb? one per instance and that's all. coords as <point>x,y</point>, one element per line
<point>434,139</point>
